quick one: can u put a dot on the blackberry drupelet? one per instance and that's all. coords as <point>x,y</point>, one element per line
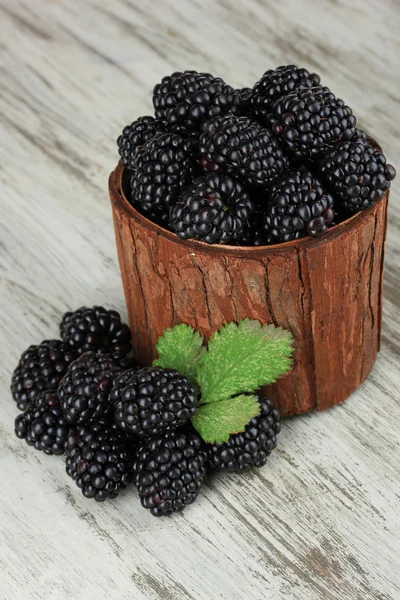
<point>359,136</point>
<point>185,100</point>
<point>274,85</point>
<point>40,368</point>
<point>169,472</point>
<point>214,209</point>
<point>95,329</point>
<point>243,148</point>
<point>84,390</point>
<point>357,174</point>
<point>250,448</point>
<point>309,121</point>
<point>298,206</point>
<point>134,136</point>
<point>42,424</point>
<point>100,460</point>
<point>152,400</point>
<point>167,164</point>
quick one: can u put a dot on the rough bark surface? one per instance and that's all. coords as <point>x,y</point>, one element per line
<point>327,292</point>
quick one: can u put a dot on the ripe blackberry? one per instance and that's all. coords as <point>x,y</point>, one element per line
<point>85,388</point>
<point>183,101</point>
<point>274,85</point>
<point>39,368</point>
<point>243,148</point>
<point>100,460</point>
<point>169,472</point>
<point>95,329</point>
<point>214,209</point>
<point>133,138</point>
<point>250,448</point>
<point>357,174</point>
<point>309,121</point>
<point>166,165</point>
<point>42,424</point>
<point>298,206</point>
<point>152,400</point>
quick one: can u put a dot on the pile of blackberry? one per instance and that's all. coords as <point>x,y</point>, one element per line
<point>119,423</point>
<point>263,139</point>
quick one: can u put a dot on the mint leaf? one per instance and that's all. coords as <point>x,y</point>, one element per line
<point>242,358</point>
<point>180,348</point>
<point>215,422</point>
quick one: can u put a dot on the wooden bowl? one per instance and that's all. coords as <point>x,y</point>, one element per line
<point>327,291</point>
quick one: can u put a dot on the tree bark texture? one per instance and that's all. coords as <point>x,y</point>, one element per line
<point>326,291</point>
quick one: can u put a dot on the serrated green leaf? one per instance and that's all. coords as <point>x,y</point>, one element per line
<point>242,358</point>
<point>215,422</point>
<point>180,348</point>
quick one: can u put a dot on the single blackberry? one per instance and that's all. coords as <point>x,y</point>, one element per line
<point>250,448</point>
<point>152,400</point>
<point>243,148</point>
<point>214,209</point>
<point>309,121</point>
<point>95,329</point>
<point>40,368</point>
<point>85,388</point>
<point>166,165</point>
<point>183,101</point>
<point>169,472</point>
<point>298,206</point>
<point>134,136</point>
<point>357,174</point>
<point>274,85</point>
<point>100,460</point>
<point>42,424</point>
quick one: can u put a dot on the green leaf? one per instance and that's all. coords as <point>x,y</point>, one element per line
<point>242,358</point>
<point>215,422</point>
<point>180,348</point>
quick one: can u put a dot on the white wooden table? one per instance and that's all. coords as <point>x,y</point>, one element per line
<point>322,520</point>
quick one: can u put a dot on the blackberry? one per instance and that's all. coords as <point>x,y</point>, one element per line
<point>100,460</point>
<point>243,148</point>
<point>250,448</point>
<point>298,206</point>
<point>152,400</point>
<point>185,100</point>
<point>85,388</point>
<point>215,209</point>
<point>133,138</point>
<point>95,329</point>
<point>42,424</point>
<point>309,121</point>
<point>357,174</point>
<point>40,368</point>
<point>166,165</point>
<point>169,472</point>
<point>274,85</point>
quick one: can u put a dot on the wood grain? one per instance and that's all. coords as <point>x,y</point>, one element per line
<point>321,520</point>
